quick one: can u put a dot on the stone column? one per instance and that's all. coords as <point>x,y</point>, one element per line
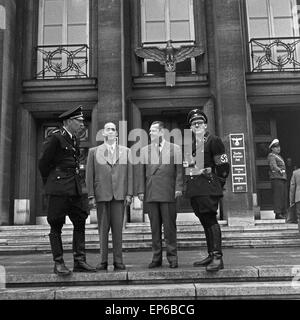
<point>229,89</point>
<point>7,72</point>
<point>25,168</point>
<point>110,65</point>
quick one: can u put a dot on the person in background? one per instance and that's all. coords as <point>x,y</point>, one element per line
<point>278,177</point>
<point>295,198</point>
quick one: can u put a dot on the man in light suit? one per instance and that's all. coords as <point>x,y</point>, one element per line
<point>159,183</point>
<point>109,179</point>
<point>295,193</point>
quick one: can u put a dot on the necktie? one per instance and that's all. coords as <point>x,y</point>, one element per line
<point>111,153</point>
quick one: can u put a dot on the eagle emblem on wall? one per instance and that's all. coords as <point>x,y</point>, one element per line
<point>169,57</point>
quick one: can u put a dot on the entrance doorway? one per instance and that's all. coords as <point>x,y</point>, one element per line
<point>268,125</point>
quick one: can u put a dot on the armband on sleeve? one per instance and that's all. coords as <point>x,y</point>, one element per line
<point>222,165</point>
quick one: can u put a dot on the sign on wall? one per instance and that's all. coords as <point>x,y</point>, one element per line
<point>238,162</point>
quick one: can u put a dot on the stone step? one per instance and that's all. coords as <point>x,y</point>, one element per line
<point>248,282</point>
<point>191,291</point>
<point>145,229</point>
<point>146,245</point>
<point>136,236</point>
<point>267,224</point>
<point>158,276</point>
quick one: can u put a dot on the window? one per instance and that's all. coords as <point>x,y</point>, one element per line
<point>63,23</point>
<point>273,19</point>
<point>163,20</point>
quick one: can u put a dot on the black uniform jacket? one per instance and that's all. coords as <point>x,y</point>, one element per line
<point>214,158</point>
<point>59,164</point>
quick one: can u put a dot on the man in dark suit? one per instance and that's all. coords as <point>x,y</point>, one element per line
<point>205,177</point>
<point>59,168</point>
<point>109,180</point>
<point>159,184</point>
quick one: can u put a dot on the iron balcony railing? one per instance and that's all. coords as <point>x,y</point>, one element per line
<point>275,54</point>
<point>62,61</point>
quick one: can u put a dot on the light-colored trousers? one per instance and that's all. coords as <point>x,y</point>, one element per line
<point>110,215</point>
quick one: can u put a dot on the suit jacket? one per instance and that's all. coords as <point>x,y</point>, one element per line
<point>107,178</point>
<point>59,164</point>
<point>159,176</point>
<point>276,164</point>
<point>295,187</point>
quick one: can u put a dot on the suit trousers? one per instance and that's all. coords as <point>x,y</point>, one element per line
<point>163,213</point>
<point>110,215</point>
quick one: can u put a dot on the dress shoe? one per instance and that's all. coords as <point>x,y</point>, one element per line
<point>204,262</point>
<point>154,264</point>
<point>119,266</point>
<point>216,263</point>
<point>82,266</point>
<point>279,216</point>
<point>61,269</point>
<point>173,264</point>
<point>101,266</point>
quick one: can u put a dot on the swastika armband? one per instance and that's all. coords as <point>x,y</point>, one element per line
<point>220,159</point>
<point>222,165</point>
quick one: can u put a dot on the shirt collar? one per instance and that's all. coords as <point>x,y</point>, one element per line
<point>111,146</point>
<point>70,134</point>
<point>162,143</point>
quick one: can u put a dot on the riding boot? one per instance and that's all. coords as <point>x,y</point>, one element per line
<point>217,262</point>
<point>204,262</point>
<point>79,256</point>
<point>57,252</point>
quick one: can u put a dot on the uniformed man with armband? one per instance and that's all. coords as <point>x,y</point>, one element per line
<point>206,167</point>
<point>59,168</point>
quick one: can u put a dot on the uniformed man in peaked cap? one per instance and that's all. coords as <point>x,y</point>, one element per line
<point>204,184</point>
<point>59,168</point>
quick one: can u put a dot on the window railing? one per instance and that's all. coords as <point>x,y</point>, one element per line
<point>275,54</point>
<point>62,61</point>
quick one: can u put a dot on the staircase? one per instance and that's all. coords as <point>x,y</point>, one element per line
<point>253,281</point>
<point>250,282</point>
<point>137,236</point>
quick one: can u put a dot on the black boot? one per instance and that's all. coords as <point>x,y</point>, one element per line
<point>217,262</point>
<point>80,264</point>
<point>57,252</point>
<point>204,262</point>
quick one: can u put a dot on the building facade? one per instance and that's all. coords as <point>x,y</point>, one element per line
<point>238,62</point>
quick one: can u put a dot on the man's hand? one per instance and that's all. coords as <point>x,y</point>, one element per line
<point>127,200</point>
<point>92,202</point>
<point>178,194</point>
<point>141,196</point>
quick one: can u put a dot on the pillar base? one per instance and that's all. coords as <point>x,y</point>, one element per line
<point>241,219</point>
<point>21,211</point>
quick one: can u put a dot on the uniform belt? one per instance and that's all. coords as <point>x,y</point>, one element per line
<point>205,171</point>
<point>71,170</point>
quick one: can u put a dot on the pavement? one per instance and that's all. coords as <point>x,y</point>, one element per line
<point>139,260</point>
